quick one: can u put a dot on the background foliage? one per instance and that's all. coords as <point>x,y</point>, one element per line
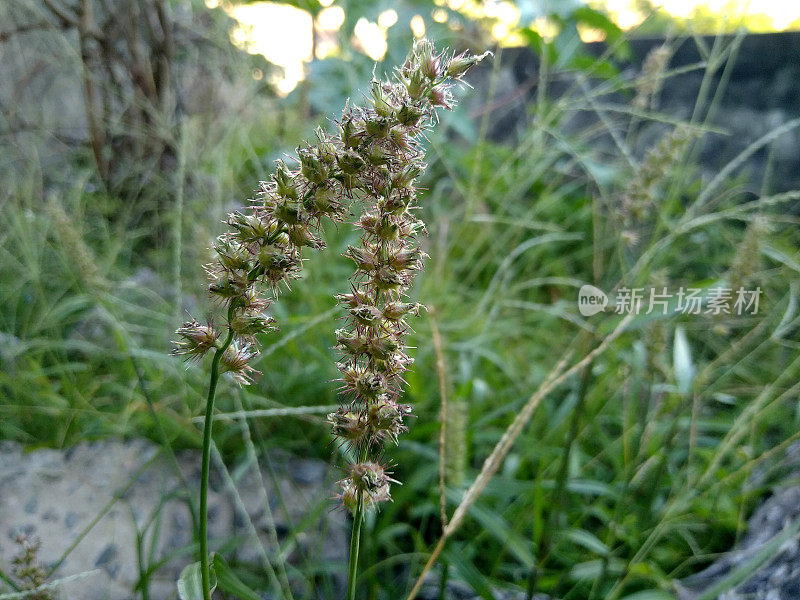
<point>633,473</point>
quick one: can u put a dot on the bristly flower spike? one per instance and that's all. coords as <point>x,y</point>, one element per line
<point>382,159</point>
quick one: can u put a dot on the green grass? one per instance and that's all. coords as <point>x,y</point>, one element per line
<point>631,473</point>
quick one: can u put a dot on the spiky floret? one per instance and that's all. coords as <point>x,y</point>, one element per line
<point>235,360</point>
<point>196,340</point>
<point>367,481</point>
<point>383,157</point>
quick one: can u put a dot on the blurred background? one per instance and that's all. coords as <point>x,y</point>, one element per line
<point>622,144</point>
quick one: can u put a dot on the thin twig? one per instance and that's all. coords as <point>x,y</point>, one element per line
<point>27,28</point>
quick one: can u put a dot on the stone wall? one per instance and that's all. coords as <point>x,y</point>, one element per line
<point>760,91</point>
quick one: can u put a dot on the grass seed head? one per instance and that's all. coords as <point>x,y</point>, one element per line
<point>382,157</point>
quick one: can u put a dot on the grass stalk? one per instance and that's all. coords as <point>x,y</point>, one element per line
<point>8,581</point>
<point>230,483</point>
<point>559,495</point>
<point>204,468</point>
<point>355,538</point>
<point>177,221</point>
<point>441,371</point>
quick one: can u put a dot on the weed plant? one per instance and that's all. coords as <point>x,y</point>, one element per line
<point>584,457</point>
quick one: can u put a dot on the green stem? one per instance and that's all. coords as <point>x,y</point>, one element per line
<point>355,537</point>
<point>5,578</point>
<point>212,388</point>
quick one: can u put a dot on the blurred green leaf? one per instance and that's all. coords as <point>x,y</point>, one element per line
<point>682,362</point>
<point>228,581</point>
<point>455,555</point>
<point>586,540</point>
<point>190,583</point>
<point>600,20</point>
<point>494,524</point>
<point>541,46</point>
<point>650,595</point>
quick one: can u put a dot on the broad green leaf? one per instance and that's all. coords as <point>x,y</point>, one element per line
<point>585,539</point>
<point>568,44</point>
<point>786,323</point>
<point>494,524</point>
<point>599,68</point>
<point>190,583</point>
<point>591,487</point>
<point>591,570</point>
<point>539,44</point>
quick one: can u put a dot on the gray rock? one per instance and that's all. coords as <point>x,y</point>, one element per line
<point>54,496</point>
<point>108,554</point>
<point>71,519</point>
<point>307,472</point>
<point>31,505</point>
<point>776,579</point>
